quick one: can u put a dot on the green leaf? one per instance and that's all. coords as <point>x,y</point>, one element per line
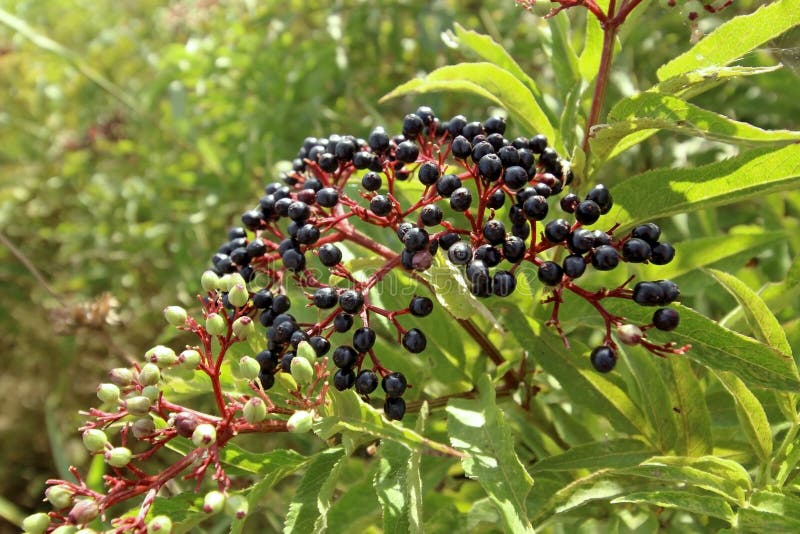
<point>478,428</point>
<point>614,453</point>
<point>694,419</point>
<point>489,50</point>
<point>185,510</point>
<point>751,415</point>
<point>307,512</point>
<point>488,81</point>
<point>736,38</point>
<point>690,84</point>
<point>718,475</point>
<point>589,60</point>
<point>648,111</point>
<point>347,413</point>
<point>239,461</point>
<point>710,505</point>
<point>564,60</point>
<point>770,511</point>
<point>665,192</point>
<point>399,486</point>
<point>452,292</point>
<point>718,348</point>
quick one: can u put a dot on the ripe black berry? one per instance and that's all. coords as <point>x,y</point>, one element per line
<point>428,173</point>
<point>587,212</point>
<point>351,301</point>
<point>431,215</point>
<point>371,181</point>
<point>394,385</point>
<point>569,202</point>
<point>662,254</point>
<point>236,232</point>
<point>267,360</point>
<point>344,356</point>
<point>342,322</point>
<point>414,341</point>
<point>327,197</point>
<point>330,254</point>
<point>603,359</point>
<point>666,319</point>
<point>366,382</point>
<point>252,219</point>
<point>308,234</point>
<point>550,273</point>
<point>648,294</point>
<point>556,230</point>
<point>320,345</point>
<point>407,152</point>
<point>574,265</point>
<point>267,379</point>
<point>605,258</point>
<point>670,289</point>
<point>503,283</point>
<point>461,199</point>
<point>344,379</point>
<point>286,361</point>
<point>650,232</point>
<point>416,239</point>
<point>602,197</point>
<point>490,167</point>
<point>294,260</point>
<point>262,299</point>
<point>461,147</point>
<point>363,339</point>
<point>509,156</point>
<point>481,150</point>
<point>325,298</point>
<point>513,249</point>
<point>420,306</point>
<point>380,205</point>
<point>636,250</point>
<point>394,408</point>
<point>256,248</point>
<point>488,255</point>
<point>538,143</point>
<point>412,126</point>
<point>299,211</point>
<point>495,125</point>
<point>460,253</point>
<point>448,240</point>
<point>515,177</point>
<point>494,232</point>
<point>496,200</point>
<point>535,207</point>
<point>580,241</point>
<point>447,184</point>
<point>239,256</point>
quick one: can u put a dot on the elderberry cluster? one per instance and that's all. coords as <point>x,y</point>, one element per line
<point>483,207</point>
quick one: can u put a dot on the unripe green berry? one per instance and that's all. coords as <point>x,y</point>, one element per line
<point>59,496</point>
<point>215,324</point>
<point>255,410</point>
<point>175,315</point>
<point>161,356</point>
<point>36,523</point>
<point>66,529</point>
<point>108,392</point>
<point>236,506</point>
<point>160,524</point>
<point>224,282</point>
<point>248,368</point>
<point>84,511</point>
<point>209,281</point>
<point>189,358</point>
<point>95,439</point>
<point>143,427</point>
<point>300,422</point>
<point>244,327</point>
<point>305,350</point>
<point>238,295</point>
<point>302,371</point>
<point>118,456</point>
<point>629,334</point>
<point>138,405</point>
<point>235,280</point>
<point>151,392</point>
<point>205,435</point>
<point>121,376</point>
<point>214,502</point>
<point>149,375</point>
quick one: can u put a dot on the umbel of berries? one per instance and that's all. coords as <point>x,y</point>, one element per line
<point>482,200</point>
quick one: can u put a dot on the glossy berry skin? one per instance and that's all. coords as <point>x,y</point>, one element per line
<point>394,384</point>
<point>308,234</point>
<point>494,232</point>
<point>580,241</point>
<point>327,197</point>
<point>420,306</point>
<point>496,200</point>
<point>299,211</point>
<point>605,258</point>
<point>556,230</point>
<point>535,207</point>
<point>460,253</point>
<point>648,294</point>
<point>416,239</point>
<point>407,152</point>
<point>431,215</point>
<point>394,408</point>
<point>514,249</point>
<point>636,250</point>
<point>330,254</point>
<point>488,255</point>
<point>380,205</point>
<point>343,322</point>
<point>574,265</point>
<point>603,359</point>
<point>320,345</point>
<point>262,299</point>
<point>461,147</point>
<point>550,273</point>
<point>414,341</point>
<point>649,232</point>
<point>294,260</point>
<point>281,304</point>
<point>366,382</point>
<point>490,167</point>
<point>602,197</point>
<point>662,254</point>
<point>371,181</point>
<point>538,143</point>
<point>515,177</point>
<point>670,289</point>
<point>587,212</point>
<point>461,199</point>
<point>666,319</point>
<point>256,248</point>
<point>351,301</point>
<point>503,283</point>
<point>344,356</point>
<point>569,202</point>
<point>363,339</point>
<point>325,298</point>
<point>447,184</point>
<point>344,379</point>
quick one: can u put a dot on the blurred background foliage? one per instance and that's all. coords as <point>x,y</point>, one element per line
<point>132,134</point>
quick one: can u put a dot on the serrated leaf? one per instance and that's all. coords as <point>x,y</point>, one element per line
<point>735,38</point>
<point>719,348</point>
<point>694,419</point>
<point>615,453</point>
<point>477,427</point>
<point>488,81</point>
<point>693,83</point>
<point>710,505</point>
<point>307,512</point>
<point>648,111</point>
<point>346,412</point>
<point>185,510</point>
<point>239,461</point>
<point>752,418</point>
<point>665,192</point>
<point>771,511</point>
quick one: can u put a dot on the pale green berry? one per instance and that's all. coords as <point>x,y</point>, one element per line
<point>59,496</point>
<point>236,506</point>
<point>224,282</point>
<point>244,327</point>
<point>143,427</point>
<point>204,435</point>
<point>175,315</point>
<point>95,439</point>
<point>302,371</point>
<point>84,511</point>
<point>108,392</point>
<point>235,279</point>
<point>248,368</point>
<point>238,295</point>
<point>151,392</point>
<point>149,375</point>
<point>138,405</point>
<point>161,356</point>
<point>160,524</point>
<point>305,350</point>
<point>214,502</point>
<point>209,281</point>
<point>36,523</point>
<point>118,456</point>
<point>629,334</point>
<point>300,422</point>
<point>216,325</point>
<point>121,376</point>
<point>189,359</point>
<point>255,410</point>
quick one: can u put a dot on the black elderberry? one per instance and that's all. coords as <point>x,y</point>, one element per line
<point>344,356</point>
<point>481,150</point>
<point>548,157</point>
<point>603,359</point>
<point>256,248</point>
<point>605,258</point>
<point>556,230</point>
<point>294,260</point>
<point>327,162</point>
<point>580,241</point>
<point>420,306</point>
<point>364,339</point>
<point>414,341</point>
<point>550,273</point>
<point>262,299</point>
<point>587,212</point>
<point>480,281</point>
<point>297,337</point>
<point>287,244</point>
<point>330,254</point>
<point>508,156</point>
<point>325,298</point>
<point>569,203</point>
<point>543,190</point>
<point>351,301</point>
<point>283,318</point>
<point>286,361</point>
<point>281,304</point>
<point>371,181</point>
<point>599,238</point>
<point>299,211</point>
<point>225,265</point>
<point>535,207</point>
<point>516,215</point>
<point>308,234</point>
<point>394,385</point>
<point>344,379</point>
<point>282,206</point>
<point>320,345</point>
<point>394,408</point>
<point>366,382</point>
<point>448,240</point>
<point>670,289</point>
<point>407,152</point>
<point>497,141</point>
<point>503,283</point>
<point>456,125</point>
<point>237,232</point>
<point>252,219</point>
<point>574,265</point>
<point>412,126</point>
<point>602,197</point>
<point>267,379</point>
<point>416,239</point>
<point>342,322</point>
<point>380,205</point>
<point>461,147</point>
<point>283,331</point>
<point>471,129</point>
<point>461,199</point>
<point>496,200</point>
<point>345,150</point>
<point>636,250</point>
<point>307,195</point>
<point>515,177</point>
<point>649,232</point>
<point>490,167</point>
<point>460,253</point>
<point>428,173</point>
<point>513,249</point>
<point>426,114</point>
<point>267,360</point>
<point>662,254</point>
<point>266,317</point>
<point>402,230</point>
<point>327,197</point>
<point>522,231</point>
<point>666,319</point>
<point>240,256</point>
<point>495,125</point>
<point>431,215</point>
<point>447,184</point>
<point>648,294</point>
<point>538,143</point>
<point>378,140</point>
<point>494,232</point>
<point>364,160</point>
<point>489,255</point>
<point>526,158</point>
